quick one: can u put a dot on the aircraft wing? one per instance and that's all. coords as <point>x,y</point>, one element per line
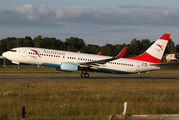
<point>96,64</point>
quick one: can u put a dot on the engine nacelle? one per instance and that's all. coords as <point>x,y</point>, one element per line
<point>66,66</point>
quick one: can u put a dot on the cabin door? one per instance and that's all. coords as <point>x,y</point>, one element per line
<point>24,53</point>
<point>138,67</point>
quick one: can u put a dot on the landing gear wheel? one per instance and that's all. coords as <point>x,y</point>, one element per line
<point>18,67</point>
<point>84,75</point>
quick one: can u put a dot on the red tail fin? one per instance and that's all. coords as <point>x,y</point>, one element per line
<point>155,52</point>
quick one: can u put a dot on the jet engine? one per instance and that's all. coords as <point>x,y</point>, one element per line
<point>66,66</point>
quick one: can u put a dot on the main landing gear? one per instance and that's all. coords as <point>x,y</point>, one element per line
<point>84,75</point>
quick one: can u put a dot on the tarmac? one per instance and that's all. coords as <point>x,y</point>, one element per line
<point>31,78</point>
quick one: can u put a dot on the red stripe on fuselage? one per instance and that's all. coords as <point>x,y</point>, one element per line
<point>36,52</point>
<point>146,57</point>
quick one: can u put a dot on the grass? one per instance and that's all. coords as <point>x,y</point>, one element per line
<point>89,98</point>
<point>85,98</point>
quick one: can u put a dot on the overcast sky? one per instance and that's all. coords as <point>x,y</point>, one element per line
<point>95,21</point>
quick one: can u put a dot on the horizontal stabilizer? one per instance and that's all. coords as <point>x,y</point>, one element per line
<point>160,64</point>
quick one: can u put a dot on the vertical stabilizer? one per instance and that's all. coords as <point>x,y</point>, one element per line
<point>155,52</point>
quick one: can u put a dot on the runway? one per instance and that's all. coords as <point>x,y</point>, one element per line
<point>31,78</point>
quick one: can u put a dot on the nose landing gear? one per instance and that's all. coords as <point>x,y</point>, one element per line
<point>18,67</point>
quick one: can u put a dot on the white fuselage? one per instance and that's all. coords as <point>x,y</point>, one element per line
<point>55,58</point>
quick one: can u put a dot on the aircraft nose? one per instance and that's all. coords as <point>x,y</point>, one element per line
<point>4,54</point>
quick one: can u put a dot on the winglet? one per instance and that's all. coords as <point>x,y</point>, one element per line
<point>99,53</point>
<point>121,54</point>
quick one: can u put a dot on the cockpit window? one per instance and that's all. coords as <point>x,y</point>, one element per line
<point>14,50</point>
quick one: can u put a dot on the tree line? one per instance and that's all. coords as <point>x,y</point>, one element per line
<point>75,44</point>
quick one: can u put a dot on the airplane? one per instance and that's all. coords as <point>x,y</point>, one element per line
<point>76,61</point>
